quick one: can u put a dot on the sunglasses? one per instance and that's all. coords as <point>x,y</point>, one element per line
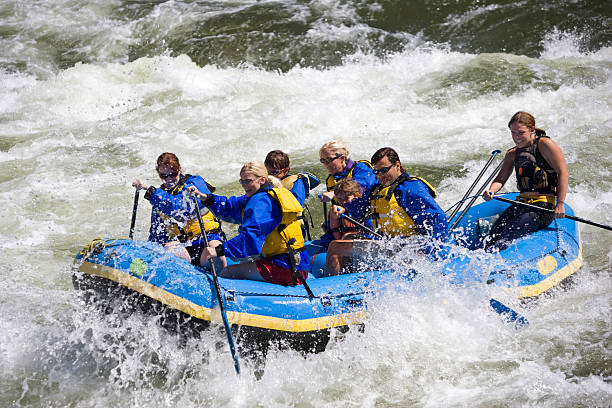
<point>382,170</point>
<point>245,181</point>
<point>168,175</point>
<point>330,159</point>
<point>275,172</point>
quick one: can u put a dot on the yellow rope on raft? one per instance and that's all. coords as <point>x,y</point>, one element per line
<point>97,245</point>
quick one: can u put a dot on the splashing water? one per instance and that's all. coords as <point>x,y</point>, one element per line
<point>92,92</point>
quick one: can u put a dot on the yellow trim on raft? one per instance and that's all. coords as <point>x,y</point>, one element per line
<point>555,278</point>
<point>204,313</point>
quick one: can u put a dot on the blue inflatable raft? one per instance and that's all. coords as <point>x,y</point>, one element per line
<point>530,266</point>
<point>146,276</point>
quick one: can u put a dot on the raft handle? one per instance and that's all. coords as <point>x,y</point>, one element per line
<point>355,302</point>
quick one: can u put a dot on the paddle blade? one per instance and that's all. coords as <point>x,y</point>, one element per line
<point>510,315</point>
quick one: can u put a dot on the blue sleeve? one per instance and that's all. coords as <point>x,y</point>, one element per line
<point>229,208</point>
<point>326,239</point>
<point>363,175</point>
<point>300,190</point>
<point>180,204</point>
<point>414,197</point>
<point>177,206</point>
<point>261,217</point>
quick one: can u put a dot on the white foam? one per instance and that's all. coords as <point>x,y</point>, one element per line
<point>558,44</point>
<point>77,139</point>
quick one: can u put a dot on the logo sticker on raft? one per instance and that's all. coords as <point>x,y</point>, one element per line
<point>547,265</point>
<point>138,267</point>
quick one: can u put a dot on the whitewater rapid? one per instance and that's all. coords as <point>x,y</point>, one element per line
<point>74,135</point>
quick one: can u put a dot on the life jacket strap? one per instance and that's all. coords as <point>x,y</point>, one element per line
<point>186,236</point>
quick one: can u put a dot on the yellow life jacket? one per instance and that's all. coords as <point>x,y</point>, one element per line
<point>331,181</point>
<point>289,181</point>
<point>187,229</point>
<point>311,181</point>
<point>388,217</point>
<point>289,230</point>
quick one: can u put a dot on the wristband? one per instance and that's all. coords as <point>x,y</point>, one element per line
<point>208,201</point>
<point>149,192</point>
<point>219,250</point>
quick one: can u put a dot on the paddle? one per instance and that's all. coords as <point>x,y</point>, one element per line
<point>305,220</point>
<point>228,330</point>
<point>494,153</point>
<point>134,210</point>
<point>480,190</point>
<point>510,315</point>
<point>361,226</point>
<point>293,260</point>
<point>325,213</point>
<point>536,208</point>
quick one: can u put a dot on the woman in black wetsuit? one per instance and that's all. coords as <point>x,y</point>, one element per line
<point>542,179</point>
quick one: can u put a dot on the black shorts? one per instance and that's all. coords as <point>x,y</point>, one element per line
<point>195,252</point>
<point>515,222</point>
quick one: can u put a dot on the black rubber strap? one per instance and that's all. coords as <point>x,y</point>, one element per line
<point>150,192</point>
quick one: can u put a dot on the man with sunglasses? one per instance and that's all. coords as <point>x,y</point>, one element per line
<point>400,205</point>
<point>174,222</point>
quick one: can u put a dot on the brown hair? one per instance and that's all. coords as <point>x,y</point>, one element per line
<point>277,160</point>
<point>526,119</point>
<point>390,153</point>
<point>348,187</point>
<point>168,159</point>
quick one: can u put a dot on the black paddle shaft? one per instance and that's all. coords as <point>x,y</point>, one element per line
<point>134,210</point>
<point>293,260</point>
<point>325,214</point>
<point>228,330</point>
<point>536,208</point>
<point>361,226</point>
